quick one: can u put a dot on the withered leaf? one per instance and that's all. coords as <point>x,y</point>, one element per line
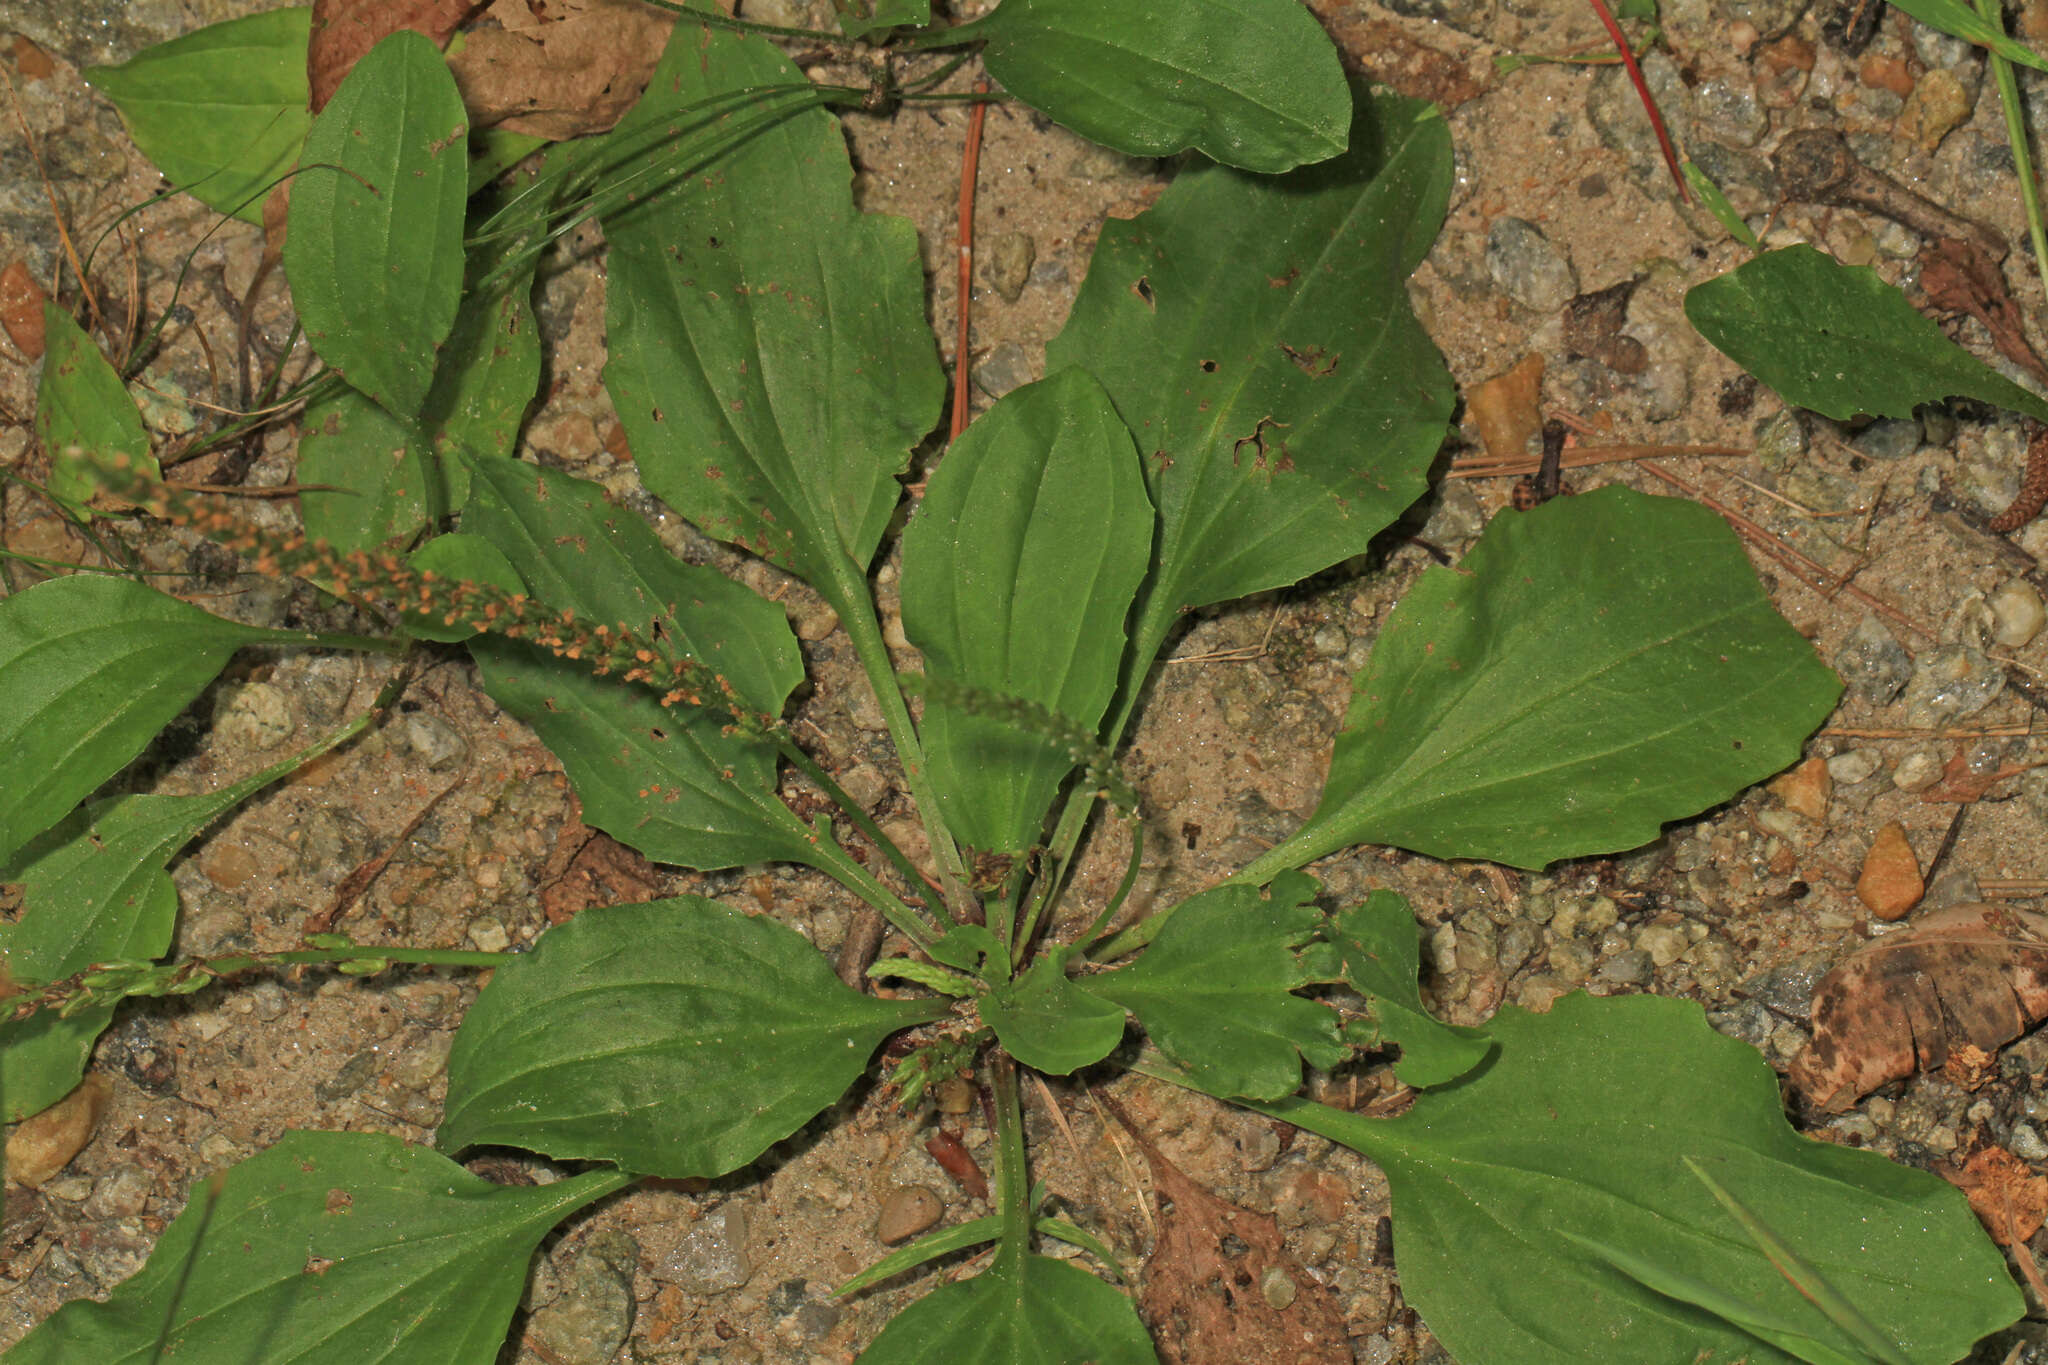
<point>21,309</point>
<point>344,30</point>
<point>588,867</point>
<point>559,68</point>
<point>1214,1278</point>
<point>1593,323</point>
<point>1959,277</point>
<point>2008,1196</point>
<point>1961,784</point>
<point>1971,974</point>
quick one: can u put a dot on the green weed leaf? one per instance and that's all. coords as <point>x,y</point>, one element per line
<point>221,111</point>
<point>374,241</point>
<point>1215,990</point>
<point>327,1249</point>
<point>1018,572</point>
<point>1839,340</point>
<point>1048,1022</point>
<point>670,781</point>
<point>677,1038</point>
<point>858,18</point>
<point>82,404</point>
<point>1576,1135</point>
<point>1253,83</point>
<point>1594,668</point>
<point>92,667</point>
<point>1958,20</point>
<point>1380,956</point>
<point>1256,337</point>
<point>769,356</point>
<point>940,1242</point>
<point>1022,1310</point>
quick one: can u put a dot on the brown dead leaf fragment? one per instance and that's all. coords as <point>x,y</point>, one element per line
<point>1961,785</point>
<point>2008,1196</point>
<point>21,309</point>
<point>1592,327</point>
<point>1960,277</point>
<point>1969,975</point>
<point>588,867</point>
<point>1219,1288</point>
<point>1506,408</point>
<point>345,30</point>
<point>559,68</point>
<point>1379,48</point>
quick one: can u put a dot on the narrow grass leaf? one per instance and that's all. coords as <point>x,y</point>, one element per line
<point>1018,572</point>
<point>769,356</point>
<point>1022,1310</point>
<point>676,1038</point>
<point>1249,83</point>
<point>1958,20</point>
<point>92,668</point>
<point>1594,668</point>
<point>1379,955</point>
<point>222,111</point>
<point>943,1242</point>
<point>82,405</point>
<point>327,1249</point>
<point>1838,339</point>
<point>1048,1022</point>
<point>1255,334</point>
<point>1575,1137</point>
<point>374,240</point>
<point>1215,990</point>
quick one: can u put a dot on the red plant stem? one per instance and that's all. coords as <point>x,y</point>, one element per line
<point>1635,75</point>
<point>963,360</point>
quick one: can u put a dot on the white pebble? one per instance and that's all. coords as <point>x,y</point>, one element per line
<point>2016,614</point>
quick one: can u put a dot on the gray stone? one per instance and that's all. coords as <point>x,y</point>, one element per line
<point>1005,368</point>
<point>712,1257</point>
<point>1786,990</point>
<point>1006,263</point>
<point>1746,1020</point>
<point>1467,16</point>
<point>1629,967</point>
<point>1726,108</point>
<point>434,741</point>
<point>120,1193</point>
<point>1956,886</point>
<point>1938,49</point>
<point>1666,388</point>
<point>1527,268</point>
<point>1873,663</point>
<point>350,1077</point>
<point>1616,112</point>
<point>1950,683</point>
<point>1917,771</point>
<point>1457,516</point>
<point>1889,438</point>
<point>591,1318</point>
<point>1857,765</point>
<point>332,839</point>
<point>1665,943</point>
<point>255,715</point>
<point>1330,642</point>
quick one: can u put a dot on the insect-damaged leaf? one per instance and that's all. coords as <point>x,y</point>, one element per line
<point>769,355</point>
<point>1594,668</point>
<point>327,1249</point>
<point>1969,975</point>
<point>1379,953</point>
<point>676,1038</point>
<point>1254,333</point>
<point>374,246</point>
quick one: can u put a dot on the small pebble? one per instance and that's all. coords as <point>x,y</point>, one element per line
<point>1917,771</point>
<point>1665,943</point>
<point>255,714</point>
<point>1630,967</point>
<point>487,935</point>
<point>1007,261</point>
<point>1780,442</point>
<point>43,1144</point>
<point>712,1257</point>
<point>907,1211</point>
<point>1278,1287</point>
<point>1005,368</point>
<point>1805,789</point>
<point>1889,438</point>
<point>121,1192</point>
<point>1890,884</point>
<point>1873,663</point>
<point>1950,683</point>
<point>2016,614</point>
<point>1527,268</point>
<point>592,1317</point>
<point>434,741</point>
<point>1857,765</point>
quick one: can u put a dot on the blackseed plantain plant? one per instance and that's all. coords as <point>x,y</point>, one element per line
<point>1241,398</point>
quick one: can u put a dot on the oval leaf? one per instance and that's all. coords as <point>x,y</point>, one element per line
<point>374,242</point>
<point>1048,1022</point>
<point>1018,572</point>
<point>1595,668</point>
<point>1256,337</point>
<point>1576,1137</point>
<point>677,1038</point>
<point>327,1249</point>
<point>92,667</point>
<point>1379,953</point>
<point>769,356</point>
<point>82,405</point>
<point>1022,1310</point>
<point>1839,340</point>
<point>221,111</point>
<point>1255,83</point>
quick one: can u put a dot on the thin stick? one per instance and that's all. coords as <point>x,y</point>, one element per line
<point>1487,467</point>
<point>1635,76</point>
<point>963,358</point>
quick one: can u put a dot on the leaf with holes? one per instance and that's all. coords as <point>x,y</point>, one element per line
<point>1378,950</point>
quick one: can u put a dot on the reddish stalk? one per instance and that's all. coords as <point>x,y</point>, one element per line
<point>1635,76</point>
<point>963,360</point>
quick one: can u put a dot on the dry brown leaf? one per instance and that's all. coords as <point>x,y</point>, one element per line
<point>588,867</point>
<point>21,309</point>
<point>344,30</point>
<point>1961,786</point>
<point>559,68</point>
<point>1382,50</point>
<point>1971,974</point>
<point>1506,408</point>
<point>1959,277</point>
<point>1593,323</point>
<point>1216,1275</point>
<point>2009,1198</point>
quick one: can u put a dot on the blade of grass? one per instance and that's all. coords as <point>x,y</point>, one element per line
<point>2016,134</point>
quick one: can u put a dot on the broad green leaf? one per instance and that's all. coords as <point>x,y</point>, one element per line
<point>222,111</point>
<point>1255,335</point>
<point>1049,1023</point>
<point>1959,20</point>
<point>1594,668</point>
<point>1018,572</point>
<point>374,240</point>
<point>459,557</point>
<point>858,18</point>
<point>1215,990</point>
<point>1380,955</point>
<point>670,781</point>
<point>676,1038</point>
<point>81,404</point>
<point>327,1249</point>
<point>1575,1136</point>
<point>92,667</point>
<point>387,487</point>
<point>1022,1310</point>
<point>769,355</point>
<point>969,947</point>
<point>1250,83</point>
<point>1839,340</point>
